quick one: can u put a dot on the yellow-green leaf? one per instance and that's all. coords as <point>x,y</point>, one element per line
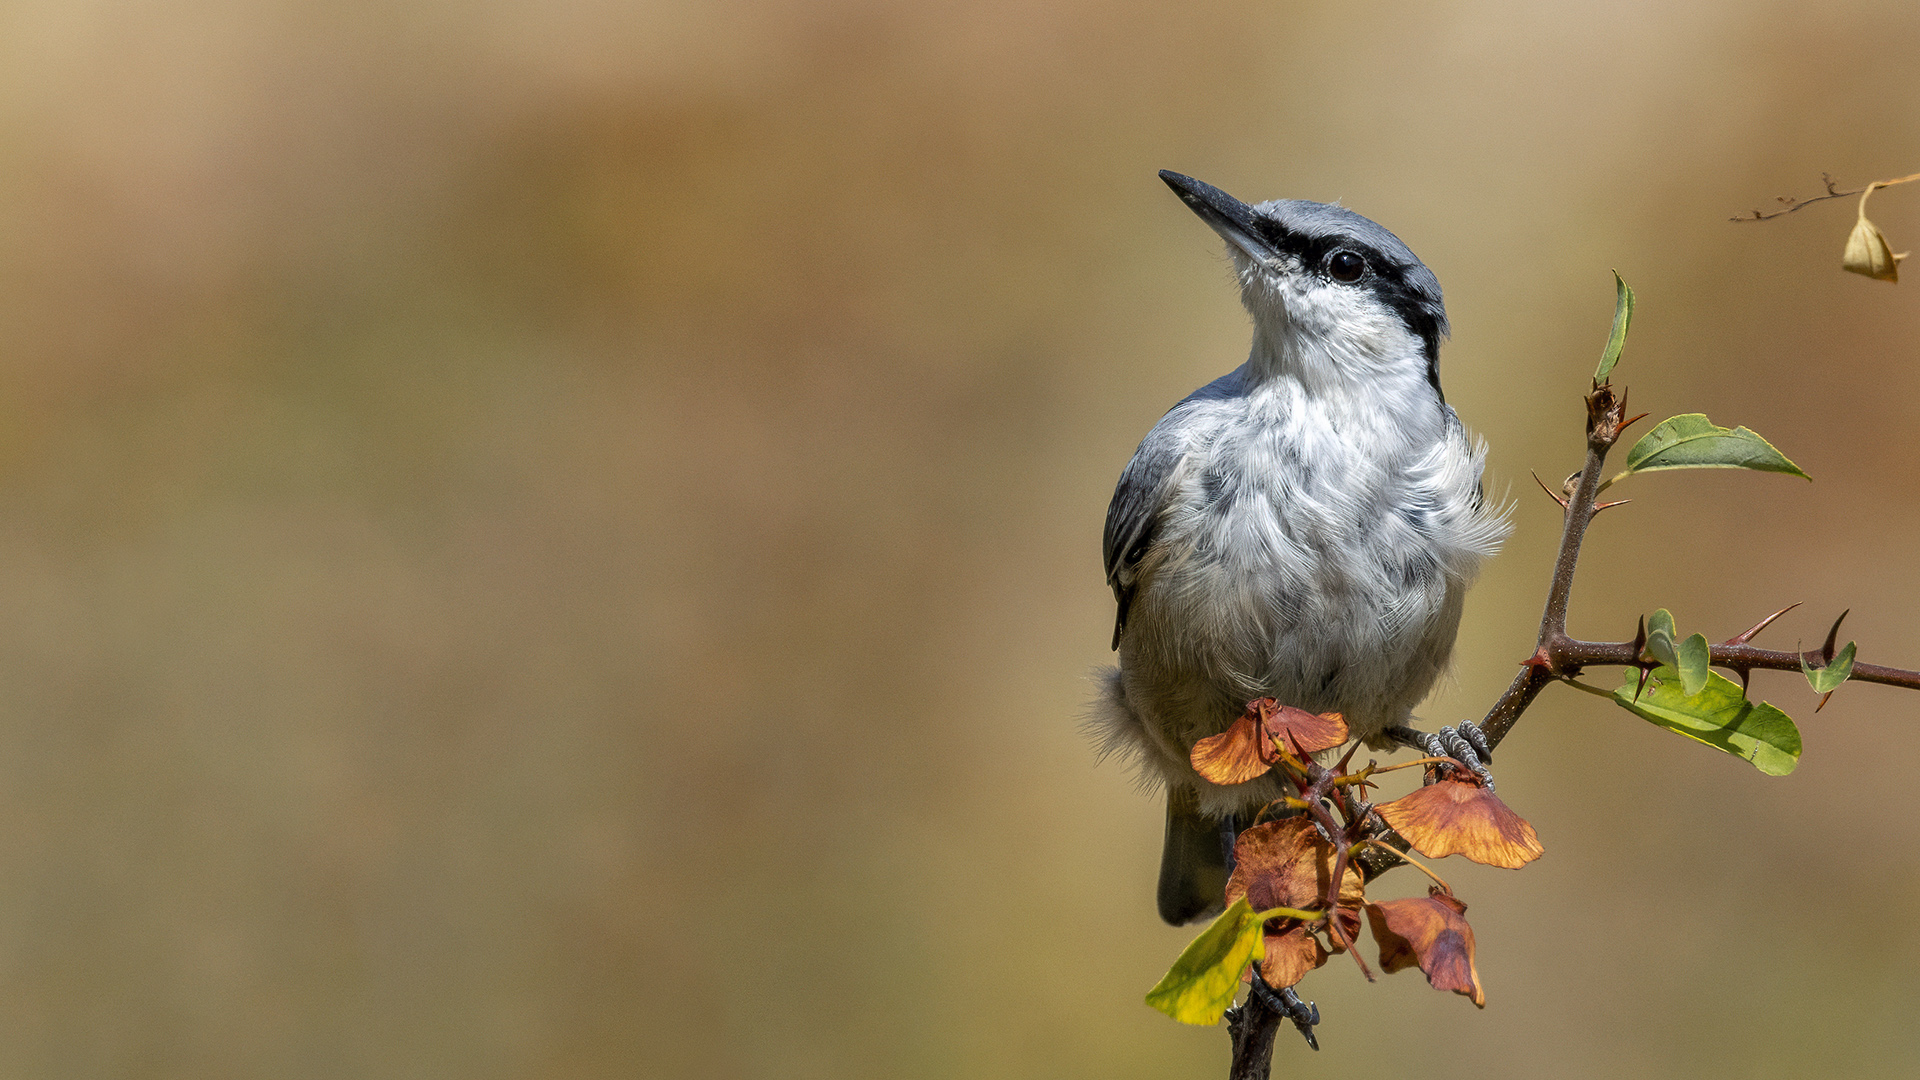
<point>1691,441</point>
<point>1826,680</point>
<point>1719,715</point>
<point>1202,982</point>
<point>1622,318</point>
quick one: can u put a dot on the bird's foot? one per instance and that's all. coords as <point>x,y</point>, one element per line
<point>1304,1014</point>
<point>1467,744</point>
<point>1464,742</point>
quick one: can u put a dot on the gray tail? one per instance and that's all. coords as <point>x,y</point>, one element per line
<point>1193,866</point>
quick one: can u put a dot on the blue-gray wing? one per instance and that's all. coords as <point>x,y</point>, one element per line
<point>1140,498</point>
<point>1134,515</point>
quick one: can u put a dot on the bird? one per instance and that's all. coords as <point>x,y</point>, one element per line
<point>1303,528</point>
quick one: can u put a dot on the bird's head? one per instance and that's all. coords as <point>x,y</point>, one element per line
<point>1335,298</point>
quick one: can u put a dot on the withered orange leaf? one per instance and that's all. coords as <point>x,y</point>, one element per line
<point>1461,816</point>
<point>1286,863</point>
<point>1430,931</point>
<point>1233,756</point>
<point>1311,732</point>
<point>1289,956</point>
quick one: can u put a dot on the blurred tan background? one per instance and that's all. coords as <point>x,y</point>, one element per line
<point>562,539</point>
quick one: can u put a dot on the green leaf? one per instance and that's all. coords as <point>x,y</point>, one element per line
<point>1201,984</point>
<point>1660,644</point>
<point>1719,715</point>
<point>1828,679</point>
<point>1622,318</point>
<point>1694,658</point>
<point>1691,441</point>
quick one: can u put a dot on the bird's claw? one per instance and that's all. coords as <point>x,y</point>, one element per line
<point>1465,743</point>
<point>1304,1014</point>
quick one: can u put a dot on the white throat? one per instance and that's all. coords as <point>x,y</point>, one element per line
<point>1347,355</point>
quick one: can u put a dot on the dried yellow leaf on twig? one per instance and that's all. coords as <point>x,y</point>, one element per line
<point>1867,250</point>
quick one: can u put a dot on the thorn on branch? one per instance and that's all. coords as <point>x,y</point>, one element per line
<point>1743,638</point>
<point>1826,651</point>
<point>1548,490</point>
<point>1617,502</point>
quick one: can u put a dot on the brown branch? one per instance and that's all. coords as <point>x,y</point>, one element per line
<point>1557,656</point>
<point>1606,416</point>
<point>1566,656</point>
<point>1252,1026</point>
<point>1833,192</point>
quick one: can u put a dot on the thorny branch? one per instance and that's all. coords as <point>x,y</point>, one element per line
<point>1833,192</point>
<point>1605,420</point>
<point>1558,657</point>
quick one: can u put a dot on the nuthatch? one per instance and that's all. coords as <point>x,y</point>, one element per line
<point>1303,528</point>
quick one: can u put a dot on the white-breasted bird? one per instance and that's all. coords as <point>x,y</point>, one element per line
<point>1303,528</point>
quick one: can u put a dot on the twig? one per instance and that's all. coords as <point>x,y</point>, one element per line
<point>1252,1026</point>
<point>1568,655</point>
<point>1557,657</point>
<point>1833,192</point>
<point>1401,856</point>
<point>1605,419</point>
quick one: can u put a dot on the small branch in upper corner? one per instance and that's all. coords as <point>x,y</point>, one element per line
<point>1790,203</point>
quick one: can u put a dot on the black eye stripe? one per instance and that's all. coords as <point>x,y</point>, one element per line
<point>1417,305</point>
<point>1314,251</point>
<point>1389,284</point>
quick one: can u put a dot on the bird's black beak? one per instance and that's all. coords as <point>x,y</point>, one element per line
<point>1231,218</point>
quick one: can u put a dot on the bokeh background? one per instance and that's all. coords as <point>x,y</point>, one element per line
<point>562,539</point>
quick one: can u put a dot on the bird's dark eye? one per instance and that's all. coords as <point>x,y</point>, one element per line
<point>1344,265</point>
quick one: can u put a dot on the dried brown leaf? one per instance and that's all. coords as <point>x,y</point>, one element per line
<point>1287,863</point>
<point>1289,956</point>
<point>1430,931</point>
<point>1234,756</point>
<point>1459,816</point>
<point>1291,727</point>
